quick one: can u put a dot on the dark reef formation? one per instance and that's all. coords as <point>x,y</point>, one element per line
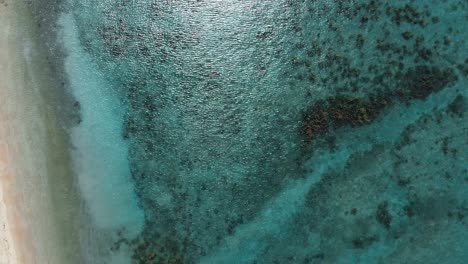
<point>337,112</point>
<point>425,80</point>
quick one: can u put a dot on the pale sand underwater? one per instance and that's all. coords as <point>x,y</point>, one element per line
<point>37,204</point>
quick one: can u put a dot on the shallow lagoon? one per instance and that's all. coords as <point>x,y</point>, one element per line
<point>268,132</point>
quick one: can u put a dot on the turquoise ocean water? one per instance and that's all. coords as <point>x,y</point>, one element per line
<point>218,131</point>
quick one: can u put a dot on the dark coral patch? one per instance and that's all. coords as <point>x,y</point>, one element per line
<point>363,242</point>
<point>383,215</point>
<point>339,112</point>
<point>335,112</point>
<point>422,81</point>
<point>407,35</point>
<point>456,106</point>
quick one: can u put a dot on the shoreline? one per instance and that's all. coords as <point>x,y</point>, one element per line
<point>13,228</point>
<point>38,204</point>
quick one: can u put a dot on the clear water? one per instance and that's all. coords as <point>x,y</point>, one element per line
<point>270,131</point>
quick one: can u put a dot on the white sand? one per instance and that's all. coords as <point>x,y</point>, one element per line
<point>12,237</point>
<point>32,152</point>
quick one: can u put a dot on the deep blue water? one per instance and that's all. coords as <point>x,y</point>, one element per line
<point>270,131</point>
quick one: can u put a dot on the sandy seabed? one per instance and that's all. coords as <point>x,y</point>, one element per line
<point>37,223</point>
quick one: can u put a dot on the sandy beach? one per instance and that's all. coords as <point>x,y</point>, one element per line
<point>36,198</point>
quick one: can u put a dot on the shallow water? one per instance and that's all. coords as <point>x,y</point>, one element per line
<point>269,131</point>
